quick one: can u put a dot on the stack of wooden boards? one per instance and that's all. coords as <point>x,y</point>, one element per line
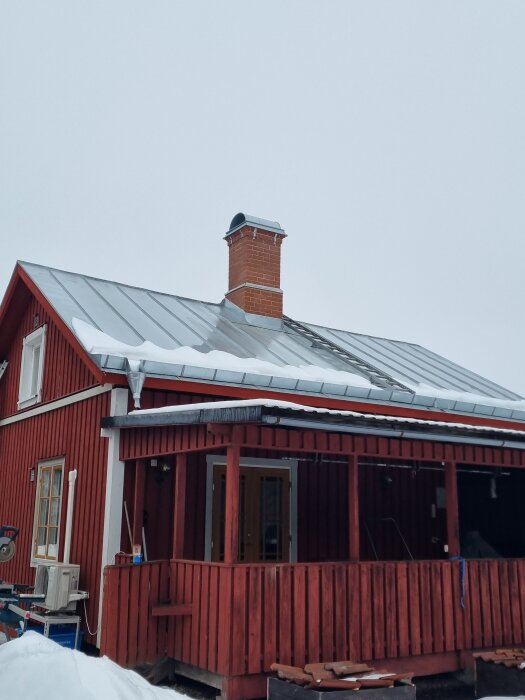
<point>340,675</point>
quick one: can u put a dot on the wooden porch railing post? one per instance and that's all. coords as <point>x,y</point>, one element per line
<point>179,506</point>
<point>138,502</point>
<point>231,525</point>
<point>353,508</point>
<point>451,489</point>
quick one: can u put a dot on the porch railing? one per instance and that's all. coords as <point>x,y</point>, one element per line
<point>247,616</point>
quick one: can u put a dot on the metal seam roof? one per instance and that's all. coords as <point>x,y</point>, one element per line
<point>132,314</point>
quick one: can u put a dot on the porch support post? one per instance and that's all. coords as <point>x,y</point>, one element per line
<point>353,508</point>
<point>138,502</point>
<point>179,506</point>
<point>231,525</point>
<point>451,489</point>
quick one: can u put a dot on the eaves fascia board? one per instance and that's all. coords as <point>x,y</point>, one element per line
<point>373,396</point>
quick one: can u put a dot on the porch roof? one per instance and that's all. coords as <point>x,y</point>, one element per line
<point>292,415</point>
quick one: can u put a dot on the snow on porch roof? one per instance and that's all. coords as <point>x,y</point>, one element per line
<point>178,338</point>
<point>294,415</point>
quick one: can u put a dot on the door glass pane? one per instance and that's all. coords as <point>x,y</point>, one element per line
<point>44,511</point>
<point>52,549</point>
<point>57,482</point>
<point>270,545</point>
<point>46,478</point>
<point>55,507</point>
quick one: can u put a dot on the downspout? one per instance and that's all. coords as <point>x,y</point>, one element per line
<point>69,515</point>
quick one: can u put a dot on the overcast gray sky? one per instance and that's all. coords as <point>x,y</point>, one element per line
<point>387,138</point>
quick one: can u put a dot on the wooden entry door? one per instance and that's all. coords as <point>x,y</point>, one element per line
<point>264,514</point>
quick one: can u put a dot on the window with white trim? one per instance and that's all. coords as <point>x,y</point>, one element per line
<point>48,504</point>
<point>31,370</point>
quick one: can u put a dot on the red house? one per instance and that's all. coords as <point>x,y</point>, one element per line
<point>298,493</point>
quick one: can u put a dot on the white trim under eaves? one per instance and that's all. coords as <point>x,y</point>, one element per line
<point>60,403</point>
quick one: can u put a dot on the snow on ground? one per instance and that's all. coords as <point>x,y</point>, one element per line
<point>34,667</point>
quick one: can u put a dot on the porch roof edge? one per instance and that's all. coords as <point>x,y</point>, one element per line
<point>289,415</point>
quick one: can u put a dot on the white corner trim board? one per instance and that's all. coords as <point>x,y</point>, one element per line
<point>59,403</point>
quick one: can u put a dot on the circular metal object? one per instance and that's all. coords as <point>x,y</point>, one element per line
<point>7,551</point>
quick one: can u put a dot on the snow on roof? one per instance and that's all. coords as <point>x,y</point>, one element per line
<point>184,338</point>
<point>291,406</point>
<point>35,667</point>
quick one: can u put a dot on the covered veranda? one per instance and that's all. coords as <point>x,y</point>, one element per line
<point>281,533</point>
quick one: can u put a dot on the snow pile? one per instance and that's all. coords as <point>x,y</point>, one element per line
<point>34,667</point>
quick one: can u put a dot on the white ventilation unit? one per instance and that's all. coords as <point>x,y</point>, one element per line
<point>59,584</point>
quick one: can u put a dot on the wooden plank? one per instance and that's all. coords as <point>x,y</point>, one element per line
<point>340,610</point>
<point>448,607</point>
<point>313,647</point>
<point>202,632</point>
<point>505,595</point>
<point>475,603</point>
<point>391,612</point>
<point>299,616</point>
<point>378,606</point>
<point>270,616</point>
<point>365,612</point>
<point>151,650</point>
<point>327,611</point>
<point>186,621</point>
<point>285,615</point>
<point>255,622</point>
<point>231,525</point>
<point>414,605</point>
<point>495,602</point>
<point>403,614</point>
<point>436,593</point>
<point>514,583</point>
<point>239,622</point>
<point>426,607</point>
<point>196,597</point>
<point>143,613</point>
<point>485,604</point>
<point>123,616</point>
<point>353,508</point>
<point>460,613</point>
<point>133,606</point>
<point>179,506</point>
<point>354,610</point>
<point>214,617</point>
<point>224,656</point>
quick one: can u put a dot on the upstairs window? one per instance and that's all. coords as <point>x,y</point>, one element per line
<point>31,369</point>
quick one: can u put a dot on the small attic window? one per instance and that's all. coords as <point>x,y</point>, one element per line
<point>31,369</point>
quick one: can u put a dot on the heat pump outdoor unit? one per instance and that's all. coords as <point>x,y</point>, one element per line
<point>59,584</point>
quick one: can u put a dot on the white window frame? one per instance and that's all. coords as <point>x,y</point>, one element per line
<point>36,339</point>
<point>57,462</point>
<point>220,460</point>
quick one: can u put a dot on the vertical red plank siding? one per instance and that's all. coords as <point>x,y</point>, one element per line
<point>64,372</point>
<point>72,432</point>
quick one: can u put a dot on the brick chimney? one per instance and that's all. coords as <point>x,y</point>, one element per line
<point>255,265</point>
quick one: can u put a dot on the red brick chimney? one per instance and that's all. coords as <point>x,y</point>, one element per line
<point>255,265</point>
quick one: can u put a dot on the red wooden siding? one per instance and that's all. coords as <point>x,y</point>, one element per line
<point>64,372</point>
<point>149,442</point>
<point>72,432</point>
<point>247,616</point>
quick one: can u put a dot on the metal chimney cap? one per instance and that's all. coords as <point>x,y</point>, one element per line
<point>240,220</point>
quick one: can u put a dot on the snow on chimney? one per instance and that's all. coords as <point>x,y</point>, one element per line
<point>255,265</point>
